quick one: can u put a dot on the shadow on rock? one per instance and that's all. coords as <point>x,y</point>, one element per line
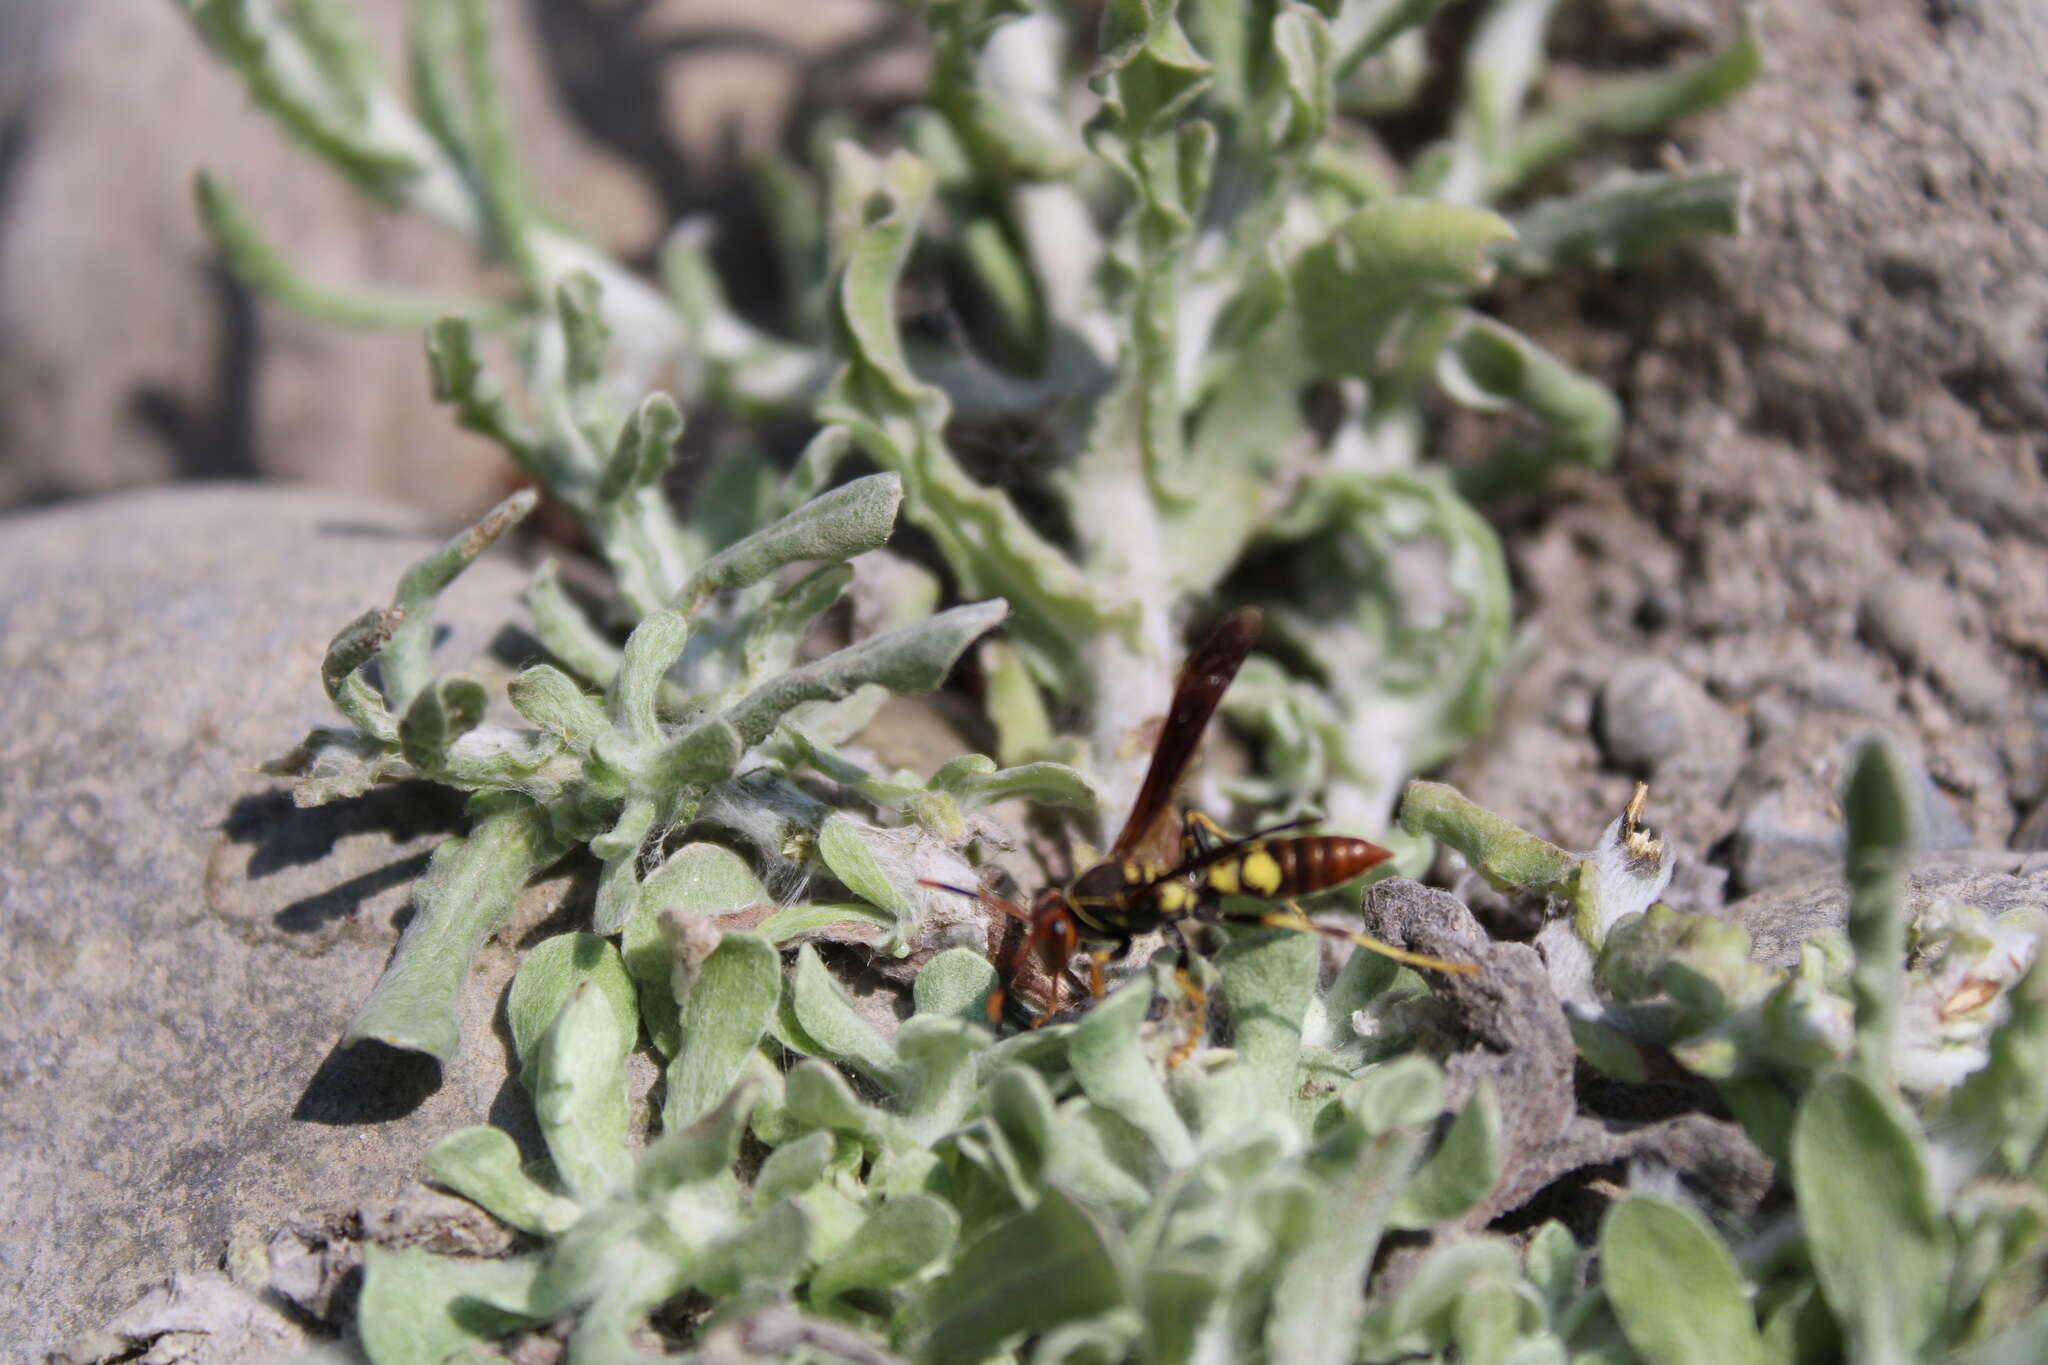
<point>367,1082</point>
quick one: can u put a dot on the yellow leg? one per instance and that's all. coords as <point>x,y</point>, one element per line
<point>1293,918</point>
<point>1193,820</point>
<point>1198,1000</point>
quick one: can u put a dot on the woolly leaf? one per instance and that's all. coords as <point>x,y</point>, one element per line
<point>846,852</point>
<point>828,1018</point>
<point>420,1309</point>
<point>576,1072</point>
<point>467,892</point>
<point>1111,1066</point>
<point>1460,1172</point>
<point>697,879</point>
<point>482,1164</point>
<point>1879,1245</point>
<point>843,523</point>
<point>724,1015</point>
<point>1377,266</point>
<point>902,1237</point>
<point>1675,1286</point>
<point>955,985</point>
<point>1052,1264</point>
<point>909,660</point>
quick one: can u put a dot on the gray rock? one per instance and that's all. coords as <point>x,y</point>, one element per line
<point>179,947</point>
<point>1650,713</point>
<point>1780,840</point>
<point>204,1316</point>
<point>1995,881</point>
<point>1918,621</point>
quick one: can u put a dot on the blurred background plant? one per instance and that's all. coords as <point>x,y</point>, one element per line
<point>1194,317</point>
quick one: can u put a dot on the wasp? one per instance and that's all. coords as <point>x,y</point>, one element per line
<point>1166,867</point>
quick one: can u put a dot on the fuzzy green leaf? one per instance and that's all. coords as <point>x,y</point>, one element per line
<point>1377,266</point>
<point>1317,1307</point>
<point>1403,1093</point>
<point>724,1015</point>
<point>441,713</point>
<point>259,264</point>
<point>955,985</point>
<point>405,661</point>
<point>1053,1264</point>
<point>765,1254</point>
<point>1675,1286</point>
<point>1879,1244</point>
<point>1043,784</point>
<point>478,397</point>
<point>793,921</point>
<point>703,1149</point>
<point>553,701</point>
<point>1490,366</point>
<point>846,852</point>
<point>1422,1318</point>
<point>576,1072</point>
<point>420,1309</point>
<point>839,525</point>
<point>354,645</point>
<point>468,890</point>
<point>906,1234</point>
<point>779,624</point>
<point>830,1019</point>
<point>909,660</point>
<point>1111,1066</point>
<point>1268,980</point>
<point>1460,1172</point>
<point>793,1167</point>
<point>1627,106</point>
<point>482,1164</point>
<point>566,630</point>
<point>900,421</point>
<point>704,754</point>
<point>1507,856</point>
<point>697,879</point>
<point>651,650</point>
<point>645,448</point>
<point>551,973</point>
<point>819,1097</point>
<point>1883,825</point>
<point>1622,219</point>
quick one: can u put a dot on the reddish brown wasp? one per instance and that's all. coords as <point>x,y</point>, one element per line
<point>1165,867</point>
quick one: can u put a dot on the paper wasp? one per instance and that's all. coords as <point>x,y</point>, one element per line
<point>1165,867</point>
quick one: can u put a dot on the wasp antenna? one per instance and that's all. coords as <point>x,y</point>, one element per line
<point>948,886</point>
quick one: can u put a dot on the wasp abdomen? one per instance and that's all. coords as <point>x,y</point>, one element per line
<point>1279,869</point>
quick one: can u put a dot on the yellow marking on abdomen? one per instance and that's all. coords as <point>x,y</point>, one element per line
<point>1223,877</point>
<point>1262,873</point>
<point>1174,898</point>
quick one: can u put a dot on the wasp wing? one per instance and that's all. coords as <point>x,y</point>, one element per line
<point>1153,827</point>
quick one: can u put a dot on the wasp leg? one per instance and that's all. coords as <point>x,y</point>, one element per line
<point>1198,1016</point>
<point>1095,961</point>
<point>1056,931</point>
<point>1200,834</point>
<point>1293,918</point>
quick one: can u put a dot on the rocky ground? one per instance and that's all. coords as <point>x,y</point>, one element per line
<point>1831,514</point>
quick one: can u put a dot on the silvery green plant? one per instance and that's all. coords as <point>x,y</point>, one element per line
<point>1162,263</point>
<point>1895,1075</point>
<point>822,1190</point>
<point>697,687</point>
